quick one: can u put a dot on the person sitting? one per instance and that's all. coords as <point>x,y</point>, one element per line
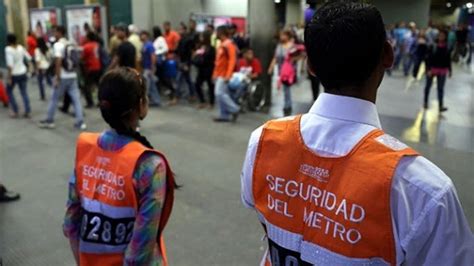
<point>248,69</point>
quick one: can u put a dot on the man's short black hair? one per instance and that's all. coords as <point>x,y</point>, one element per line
<point>61,29</point>
<point>344,42</point>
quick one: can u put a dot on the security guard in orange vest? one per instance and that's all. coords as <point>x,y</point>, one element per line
<point>330,187</point>
<point>121,192</point>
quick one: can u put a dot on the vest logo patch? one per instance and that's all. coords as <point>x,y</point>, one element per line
<point>320,174</point>
<point>102,160</point>
<point>391,142</point>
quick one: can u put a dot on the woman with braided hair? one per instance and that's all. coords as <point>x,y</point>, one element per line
<point>121,192</point>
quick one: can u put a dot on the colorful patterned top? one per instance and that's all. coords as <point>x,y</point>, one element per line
<point>149,180</point>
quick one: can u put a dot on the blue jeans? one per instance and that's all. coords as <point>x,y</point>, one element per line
<point>71,87</point>
<point>21,81</point>
<point>227,106</point>
<point>407,63</point>
<point>441,82</point>
<point>153,92</point>
<point>287,97</point>
<point>185,76</point>
<point>42,75</point>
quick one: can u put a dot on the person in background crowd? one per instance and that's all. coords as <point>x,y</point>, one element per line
<point>330,187</point>
<point>65,81</point>
<point>15,56</point>
<point>134,39</point>
<point>204,58</point>
<point>214,40</point>
<point>463,45</point>
<point>431,34</point>
<point>126,52</point>
<point>7,196</point>
<point>409,48</point>
<point>149,65</point>
<point>248,69</point>
<point>31,44</point>
<point>43,60</point>
<point>315,83</point>
<point>438,64</point>
<point>161,51</point>
<point>3,92</point>
<point>238,39</point>
<point>186,47</point>
<point>421,50</point>
<point>400,33</point>
<point>226,59</point>
<point>114,41</point>
<point>285,45</point>
<point>451,37</point>
<point>172,37</point>
<point>144,176</point>
<point>92,67</point>
<point>250,62</point>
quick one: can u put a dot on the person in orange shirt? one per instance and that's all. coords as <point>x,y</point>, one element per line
<point>172,37</point>
<point>224,68</point>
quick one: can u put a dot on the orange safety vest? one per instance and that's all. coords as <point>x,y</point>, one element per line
<point>109,202</point>
<point>325,211</point>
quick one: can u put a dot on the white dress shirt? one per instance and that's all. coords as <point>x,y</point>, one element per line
<point>15,59</point>
<point>160,46</point>
<point>430,227</point>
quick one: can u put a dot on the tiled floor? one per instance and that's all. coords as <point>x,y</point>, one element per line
<point>209,226</point>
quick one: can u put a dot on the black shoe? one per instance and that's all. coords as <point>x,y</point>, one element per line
<point>6,195</point>
<point>234,117</point>
<point>443,109</point>
<point>221,120</point>
<point>89,106</point>
<point>63,110</point>
<point>425,105</point>
<point>287,111</point>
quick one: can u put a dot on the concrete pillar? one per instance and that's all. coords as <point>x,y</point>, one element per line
<point>404,10</point>
<point>262,29</point>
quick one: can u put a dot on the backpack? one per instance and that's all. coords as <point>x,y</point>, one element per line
<point>71,58</point>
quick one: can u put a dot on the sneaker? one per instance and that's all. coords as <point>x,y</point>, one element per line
<point>81,126</point>
<point>6,195</point>
<point>27,115</point>
<point>46,124</point>
<point>221,120</point>
<point>234,117</point>
<point>443,109</point>
<point>13,115</point>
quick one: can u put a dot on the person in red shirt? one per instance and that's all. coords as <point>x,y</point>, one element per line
<point>250,62</point>
<point>172,37</point>
<point>91,66</point>
<point>31,45</point>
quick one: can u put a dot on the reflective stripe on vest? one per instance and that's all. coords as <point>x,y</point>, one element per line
<point>109,202</point>
<point>325,211</point>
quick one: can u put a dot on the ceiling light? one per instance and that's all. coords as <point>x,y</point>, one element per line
<point>448,4</point>
<point>277,1</point>
<point>469,5</point>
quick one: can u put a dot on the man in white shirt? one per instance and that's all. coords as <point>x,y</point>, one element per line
<point>427,223</point>
<point>65,81</point>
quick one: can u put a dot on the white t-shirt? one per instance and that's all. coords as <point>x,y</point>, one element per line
<point>59,51</point>
<point>42,61</point>
<point>15,59</point>
<point>160,46</point>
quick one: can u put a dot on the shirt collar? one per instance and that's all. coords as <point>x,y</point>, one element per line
<point>347,109</point>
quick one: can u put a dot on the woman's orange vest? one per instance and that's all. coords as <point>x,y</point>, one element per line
<point>109,202</point>
<point>325,211</point>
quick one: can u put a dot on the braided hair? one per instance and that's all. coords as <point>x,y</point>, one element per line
<point>121,91</point>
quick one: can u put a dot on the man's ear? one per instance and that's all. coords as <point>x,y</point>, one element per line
<point>387,57</point>
<point>310,68</point>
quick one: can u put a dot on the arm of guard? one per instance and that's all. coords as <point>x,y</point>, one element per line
<point>150,185</point>
<point>247,170</point>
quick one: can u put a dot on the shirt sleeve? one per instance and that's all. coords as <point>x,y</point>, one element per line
<point>247,169</point>
<point>430,223</point>
<point>58,50</point>
<point>72,218</point>
<point>150,185</point>
<point>232,53</point>
<point>9,57</point>
<point>257,69</point>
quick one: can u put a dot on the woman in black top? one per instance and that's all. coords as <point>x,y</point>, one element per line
<point>438,64</point>
<point>420,53</point>
<point>203,59</point>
